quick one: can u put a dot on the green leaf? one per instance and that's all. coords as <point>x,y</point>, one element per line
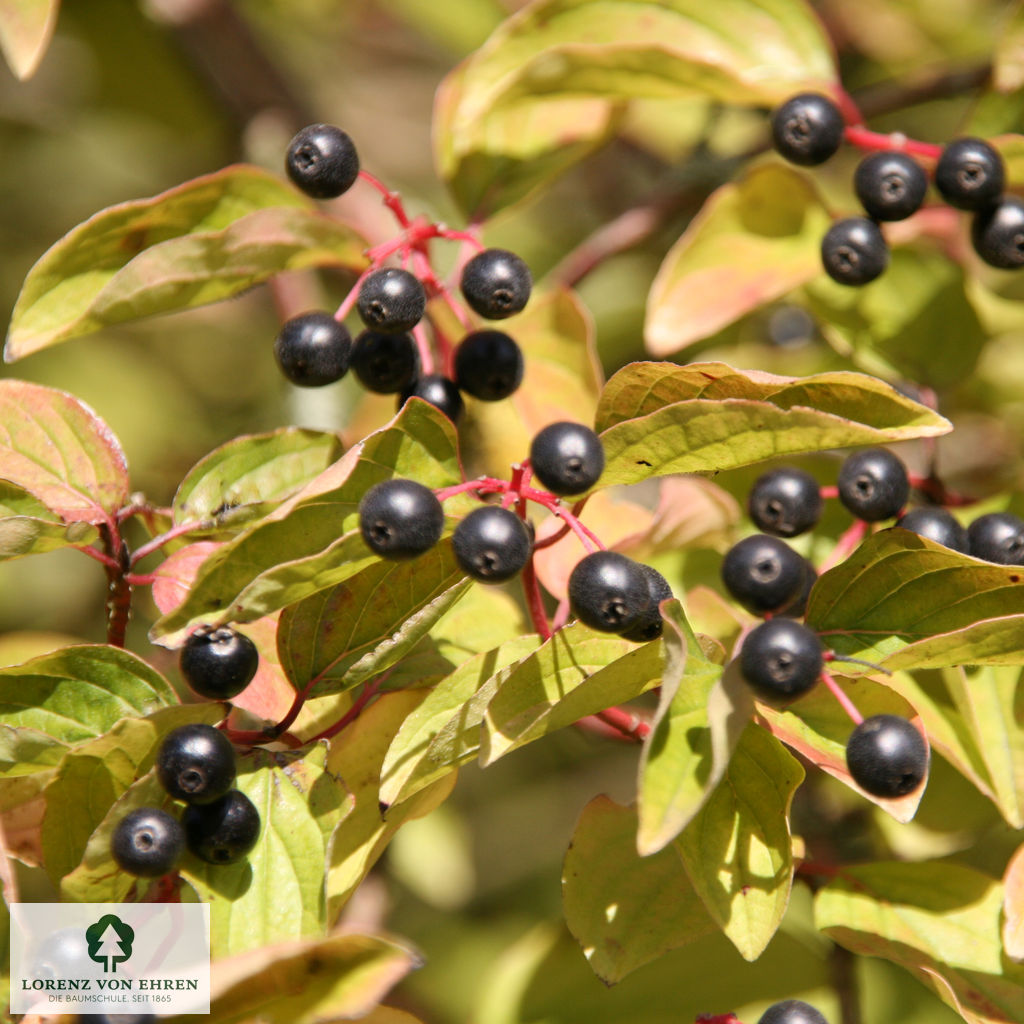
<point>299,801</point>
<point>661,418</point>
<point>915,321</point>
<point>312,542</point>
<point>623,909</point>
<point>817,727</point>
<point>985,698</point>
<point>27,762</point>
<point>699,720</point>
<point>250,472</point>
<point>575,673</point>
<point>355,758</point>
<point>93,775</point>
<point>898,588</point>
<point>26,27</point>
<point>79,693</point>
<point>28,527</point>
<point>752,243</point>
<point>939,920</point>
<point>1013,906</point>
<point>738,849</point>
<point>343,636</point>
<point>444,731</point>
<point>56,448</point>
<point>200,242</point>
<point>306,982</point>
<point>538,94</point>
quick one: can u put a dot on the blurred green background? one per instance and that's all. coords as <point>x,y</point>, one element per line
<point>135,96</point>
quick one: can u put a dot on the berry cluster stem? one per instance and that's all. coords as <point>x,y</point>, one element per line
<point>862,138</point>
<point>847,705</point>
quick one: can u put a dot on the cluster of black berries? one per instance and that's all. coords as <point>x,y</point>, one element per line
<point>315,349</point>
<point>891,185</point>
<point>220,825</point>
<point>782,659</point>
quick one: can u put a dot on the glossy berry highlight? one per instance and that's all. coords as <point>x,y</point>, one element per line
<point>491,544</point>
<point>854,251</point>
<point>567,458</point>
<point>785,502</point>
<point>792,1011</point>
<point>385,363</point>
<point>488,365</point>
<point>781,659</point>
<point>391,300</point>
<point>224,831</point>
<point>763,573</point>
<point>400,519</point>
<point>313,350</point>
<point>322,161</point>
<point>496,284</point>
<point>970,174</point>
<point>196,764</point>
<point>147,842</point>
<point>890,185</point>
<point>886,756</point>
<point>997,233</point>
<point>440,391</point>
<point>997,537</point>
<point>936,524</point>
<point>218,662</point>
<point>807,129</point>
<point>873,484</point>
<point>608,592</point>
<point>649,625</point>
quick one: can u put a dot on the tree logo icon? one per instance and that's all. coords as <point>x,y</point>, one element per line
<point>110,941</point>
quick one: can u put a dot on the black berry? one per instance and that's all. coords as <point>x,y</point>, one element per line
<point>807,129</point>
<point>218,662</point>
<point>488,365</point>
<point>781,659</point>
<point>873,484</point>
<point>785,502</point>
<point>609,592</point>
<point>222,832</point>
<point>196,763</point>
<point>997,537</point>
<point>936,524</point>
<point>391,299</point>
<point>147,842</point>
<point>491,544</point>
<point>791,1011</point>
<point>997,233</point>
<point>400,519</point>
<point>970,174</point>
<point>853,251</point>
<point>890,185</point>
<point>439,391</point>
<point>385,363</point>
<point>496,283</point>
<point>763,573</point>
<point>567,458</point>
<point>322,161</point>
<point>313,350</point>
<point>650,624</point>
<point>886,756</point>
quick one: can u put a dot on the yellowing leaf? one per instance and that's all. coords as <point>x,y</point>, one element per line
<point>751,243</point>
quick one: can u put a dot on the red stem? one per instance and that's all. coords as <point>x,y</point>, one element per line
<point>847,705</point>
<point>862,138</point>
<point>369,692</point>
<point>392,200</point>
<point>423,347</point>
<point>845,545</point>
<point>484,485</point>
<point>631,726</point>
<point>158,542</point>
<point>534,601</point>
